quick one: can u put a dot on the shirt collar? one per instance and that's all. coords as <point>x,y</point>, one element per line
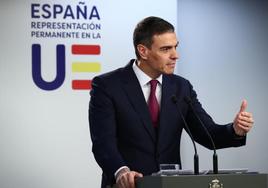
<point>142,77</point>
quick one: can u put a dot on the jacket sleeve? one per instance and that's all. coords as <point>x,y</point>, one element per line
<point>222,135</point>
<point>102,125</point>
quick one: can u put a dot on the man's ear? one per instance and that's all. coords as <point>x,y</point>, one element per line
<point>143,51</point>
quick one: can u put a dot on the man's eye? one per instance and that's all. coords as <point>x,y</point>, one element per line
<point>165,49</point>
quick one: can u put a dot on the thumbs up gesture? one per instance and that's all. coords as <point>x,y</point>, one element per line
<point>243,121</point>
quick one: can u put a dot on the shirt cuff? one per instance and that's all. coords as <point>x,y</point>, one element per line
<point>119,169</point>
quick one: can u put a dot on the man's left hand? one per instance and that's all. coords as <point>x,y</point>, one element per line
<point>243,121</point>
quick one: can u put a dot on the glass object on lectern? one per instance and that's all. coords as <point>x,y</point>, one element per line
<point>169,169</point>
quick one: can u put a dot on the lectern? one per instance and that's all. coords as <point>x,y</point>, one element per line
<point>205,181</point>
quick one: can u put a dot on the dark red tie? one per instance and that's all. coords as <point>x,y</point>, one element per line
<point>153,104</point>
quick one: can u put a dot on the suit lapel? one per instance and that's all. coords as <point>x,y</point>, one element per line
<point>134,92</point>
<point>168,108</point>
<point>168,90</point>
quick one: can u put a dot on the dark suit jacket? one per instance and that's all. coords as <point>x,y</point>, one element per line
<point>122,132</point>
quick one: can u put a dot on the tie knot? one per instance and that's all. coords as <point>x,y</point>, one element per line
<point>153,84</point>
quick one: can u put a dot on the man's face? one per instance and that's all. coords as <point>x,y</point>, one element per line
<point>161,57</point>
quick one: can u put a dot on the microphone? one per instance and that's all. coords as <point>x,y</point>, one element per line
<point>215,157</point>
<point>196,158</point>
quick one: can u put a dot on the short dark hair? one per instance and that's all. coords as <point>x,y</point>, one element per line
<point>147,28</point>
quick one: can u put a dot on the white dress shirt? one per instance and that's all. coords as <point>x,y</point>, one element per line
<point>144,80</point>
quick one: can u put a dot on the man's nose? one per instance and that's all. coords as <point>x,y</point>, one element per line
<point>175,54</point>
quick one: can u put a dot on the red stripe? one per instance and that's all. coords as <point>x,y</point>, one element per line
<point>81,84</point>
<point>86,49</point>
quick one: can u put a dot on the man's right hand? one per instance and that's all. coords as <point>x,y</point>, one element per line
<point>126,178</point>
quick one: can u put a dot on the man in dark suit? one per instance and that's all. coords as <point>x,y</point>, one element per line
<point>134,123</point>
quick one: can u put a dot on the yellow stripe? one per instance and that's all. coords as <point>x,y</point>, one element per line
<point>86,67</point>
